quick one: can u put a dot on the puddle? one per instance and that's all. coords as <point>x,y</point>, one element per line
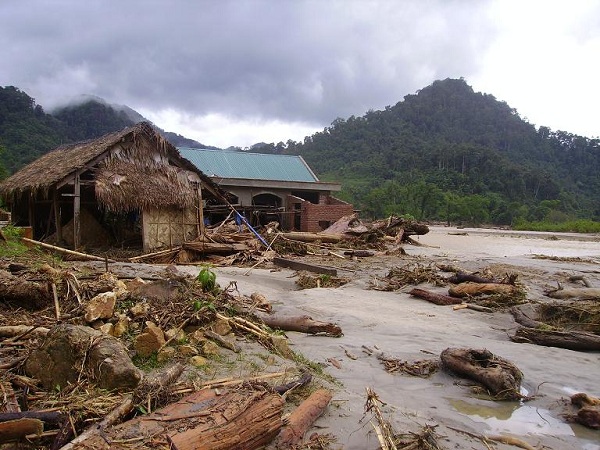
<point>522,419</point>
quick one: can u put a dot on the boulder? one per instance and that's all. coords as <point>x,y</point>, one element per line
<point>150,341</point>
<point>71,349</point>
<point>102,306</point>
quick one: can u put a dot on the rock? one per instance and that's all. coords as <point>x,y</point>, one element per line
<point>132,285</point>
<point>166,354</point>
<point>107,328</point>
<point>209,348</point>
<point>122,326</point>
<point>150,341</point>
<point>139,309</point>
<point>71,349</point>
<point>175,334</point>
<point>221,327</point>
<point>157,290</point>
<point>198,361</point>
<point>102,306</point>
<point>196,338</point>
<point>187,350</point>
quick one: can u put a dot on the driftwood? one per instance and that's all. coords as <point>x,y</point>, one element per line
<point>49,417</point>
<point>303,324</point>
<point>27,294</point>
<point>206,420</point>
<point>499,376</point>
<point>9,403</point>
<point>470,288</point>
<point>462,277</point>
<point>222,341</point>
<point>15,430</point>
<point>359,253</point>
<point>302,381</point>
<point>523,319</point>
<point>572,340</point>
<point>215,247</point>
<point>297,265</point>
<point>586,293</point>
<point>438,299</point>
<point>312,237</point>
<point>65,251</point>
<point>22,331</point>
<point>589,410</point>
<point>302,418</point>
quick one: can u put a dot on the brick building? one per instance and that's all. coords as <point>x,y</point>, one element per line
<point>270,187</point>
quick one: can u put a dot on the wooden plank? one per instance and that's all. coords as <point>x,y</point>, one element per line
<point>76,213</point>
<point>297,265</point>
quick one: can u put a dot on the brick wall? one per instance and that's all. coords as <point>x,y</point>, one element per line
<point>315,218</point>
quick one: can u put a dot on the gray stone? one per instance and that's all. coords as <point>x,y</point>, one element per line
<point>59,359</point>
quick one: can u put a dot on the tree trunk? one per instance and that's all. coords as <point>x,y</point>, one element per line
<point>15,430</point>
<point>572,340</point>
<point>470,288</point>
<point>302,418</point>
<point>303,324</point>
<point>26,294</point>
<point>206,420</point>
<point>501,377</point>
<point>438,299</point>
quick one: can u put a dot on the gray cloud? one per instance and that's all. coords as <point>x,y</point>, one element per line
<point>303,61</point>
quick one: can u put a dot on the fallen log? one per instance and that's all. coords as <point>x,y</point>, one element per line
<point>572,340</point>
<point>577,293</point>
<point>9,403</point>
<point>297,265</point>
<point>23,331</point>
<point>243,419</point>
<point>359,253</point>
<point>303,324</point>
<point>49,417</point>
<point>65,251</point>
<point>438,299</point>
<point>499,376</point>
<point>213,248</point>
<point>22,293</point>
<point>15,430</point>
<point>473,289</point>
<point>523,319</point>
<point>462,277</point>
<point>302,418</point>
<point>312,237</point>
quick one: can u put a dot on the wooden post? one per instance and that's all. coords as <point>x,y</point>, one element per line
<point>57,217</point>
<point>76,213</point>
<point>200,211</point>
<point>32,212</point>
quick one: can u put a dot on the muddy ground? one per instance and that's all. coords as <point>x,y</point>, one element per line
<point>396,325</point>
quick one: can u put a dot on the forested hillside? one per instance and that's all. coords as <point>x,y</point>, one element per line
<point>448,153</point>
<point>27,131</point>
<point>445,153</point>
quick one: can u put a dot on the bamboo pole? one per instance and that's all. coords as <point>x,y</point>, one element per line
<point>66,251</point>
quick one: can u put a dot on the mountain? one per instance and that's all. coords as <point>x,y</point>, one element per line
<point>449,153</point>
<point>27,131</point>
<point>444,153</point>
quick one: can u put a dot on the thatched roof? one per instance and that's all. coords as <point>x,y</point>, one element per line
<point>133,168</point>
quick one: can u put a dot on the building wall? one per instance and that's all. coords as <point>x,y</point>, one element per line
<point>167,228</point>
<point>316,217</point>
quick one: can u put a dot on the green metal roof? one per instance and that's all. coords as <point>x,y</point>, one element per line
<point>256,166</point>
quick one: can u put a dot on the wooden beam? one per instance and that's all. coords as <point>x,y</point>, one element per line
<point>76,213</point>
<point>57,217</point>
<point>297,265</point>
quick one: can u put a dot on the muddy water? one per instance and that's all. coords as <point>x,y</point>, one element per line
<point>478,242</point>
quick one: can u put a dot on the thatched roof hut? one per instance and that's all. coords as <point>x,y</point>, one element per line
<point>132,170</point>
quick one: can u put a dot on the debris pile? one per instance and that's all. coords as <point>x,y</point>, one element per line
<point>118,360</point>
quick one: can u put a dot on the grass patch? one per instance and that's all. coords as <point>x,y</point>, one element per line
<point>570,226</point>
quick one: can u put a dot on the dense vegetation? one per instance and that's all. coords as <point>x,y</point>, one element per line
<point>27,131</point>
<point>445,153</point>
<point>448,153</point>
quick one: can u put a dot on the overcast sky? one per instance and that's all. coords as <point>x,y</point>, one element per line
<point>240,72</point>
